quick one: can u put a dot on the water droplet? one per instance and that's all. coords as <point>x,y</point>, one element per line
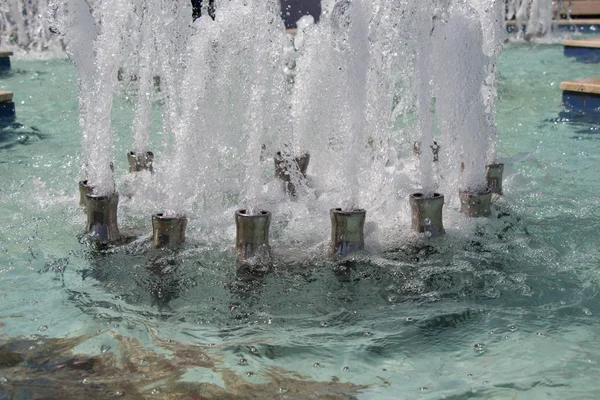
<point>479,348</point>
<point>104,348</point>
<point>155,391</point>
<point>281,390</point>
<point>422,389</point>
<point>346,369</point>
<point>323,324</point>
<point>143,362</point>
<point>368,333</point>
<point>243,361</point>
<point>316,365</point>
<point>253,350</point>
<point>249,374</point>
<point>43,328</point>
<point>86,381</point>
<point>512,328</point>
<point>587,311</point>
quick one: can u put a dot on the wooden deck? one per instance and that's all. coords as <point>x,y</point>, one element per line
<point>582,95</point>
<point>588,85</point>
<point>5,97</point>
<point>592,43</point>
<point>582,21</point>
<point>581,7</point>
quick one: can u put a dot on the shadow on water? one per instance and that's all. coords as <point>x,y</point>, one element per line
<point>46,368</point>
<point>585,123</point>
<point>13,134</point>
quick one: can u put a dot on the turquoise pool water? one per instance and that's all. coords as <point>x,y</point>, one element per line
<point>499,309</point>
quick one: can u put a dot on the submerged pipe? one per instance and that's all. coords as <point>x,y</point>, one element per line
<point>475,204</point>
<point>427,213</point>
<point>168,231</point>
<point>84,189</point>
<point>347,231</point>
<point>493,175</point>
<point>102,216</point>
<point>140,161</point>
<point>252,236</point>
<point>284,171</point>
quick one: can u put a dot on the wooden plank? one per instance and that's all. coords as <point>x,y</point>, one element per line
<point>582,21</point>
<point>582,7</point>
<point>588,85</point>
<point>5,96</point>
<point>591,43</point>
<point>4,54</point>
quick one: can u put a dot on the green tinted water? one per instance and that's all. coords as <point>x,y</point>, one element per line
<point>504,308</point>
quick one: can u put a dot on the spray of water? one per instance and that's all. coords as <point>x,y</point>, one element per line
<point>370,79</point>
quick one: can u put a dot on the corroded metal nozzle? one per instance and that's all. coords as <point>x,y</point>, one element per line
<point>494,174</point>
<point>427,213</point>
<point>476,204</point>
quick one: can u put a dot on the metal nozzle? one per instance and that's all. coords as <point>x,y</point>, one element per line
<point>168,231</point>
<point>427,213</point>
<point>347,231</point>
<point>476,204</point>
<point>494,174</point>
<point>140,161</point>
<point>285,168</point>
<point>102,217</point>
<point>252,236</point>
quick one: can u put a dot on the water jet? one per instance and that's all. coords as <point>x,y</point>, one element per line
<point>102,217</point>
<point>475,204</point>
<point>168,231</point>
<point>427,213</point>
<point>287,168</point>
<point>347,231</point>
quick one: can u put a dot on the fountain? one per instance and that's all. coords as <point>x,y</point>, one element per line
<point>251,271</point>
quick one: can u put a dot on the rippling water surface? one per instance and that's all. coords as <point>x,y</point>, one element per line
<point>499,308</point>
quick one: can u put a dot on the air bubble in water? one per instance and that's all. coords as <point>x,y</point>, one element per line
<point>479,348</point>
